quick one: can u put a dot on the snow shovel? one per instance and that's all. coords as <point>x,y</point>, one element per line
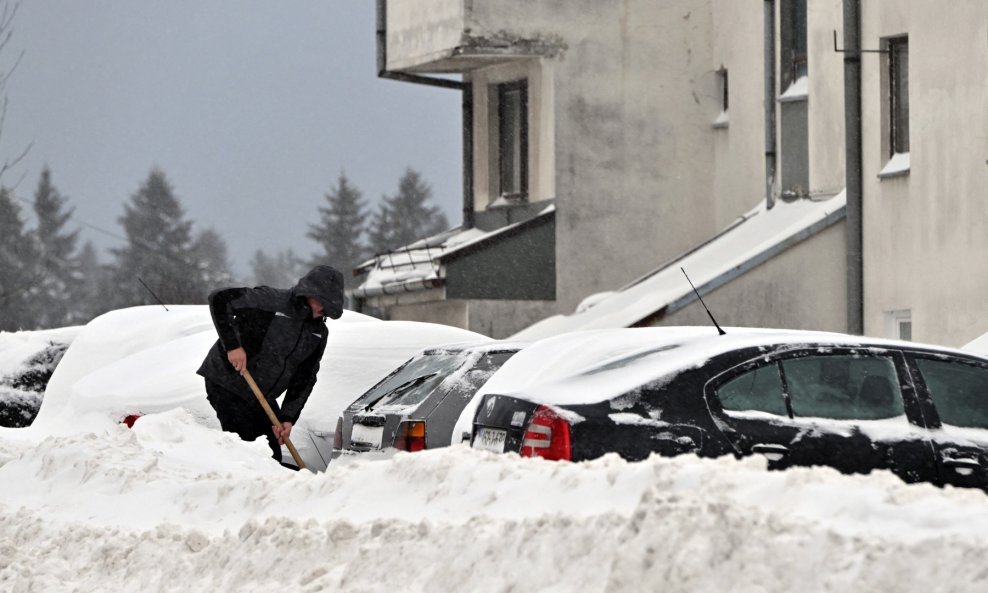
<point>274,419</point>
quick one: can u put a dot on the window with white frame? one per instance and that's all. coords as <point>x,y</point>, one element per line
<point>899,324</point>
<point>723,90</point>
<point>509,136</point>
<point>896,107</point>
<point>793,62</point>
<point>899,95</point>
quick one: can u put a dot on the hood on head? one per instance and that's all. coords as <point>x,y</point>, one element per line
<point>325,283</point>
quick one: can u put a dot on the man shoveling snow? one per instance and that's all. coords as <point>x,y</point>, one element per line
<point>276,337</point>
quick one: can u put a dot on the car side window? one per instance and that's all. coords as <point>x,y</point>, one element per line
<point>759,389</point>
<point>843,387</point>
<point>959,391</point>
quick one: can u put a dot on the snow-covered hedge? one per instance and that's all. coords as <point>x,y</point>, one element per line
<point>27,361</point>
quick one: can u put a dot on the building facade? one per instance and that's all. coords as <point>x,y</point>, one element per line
<point>614,138</point>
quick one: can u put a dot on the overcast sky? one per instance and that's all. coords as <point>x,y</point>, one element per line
<point>251,108</point>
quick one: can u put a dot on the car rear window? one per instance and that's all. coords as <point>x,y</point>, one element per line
<point>473,379</point>
<point>959,391</point>
<point>413,382</point>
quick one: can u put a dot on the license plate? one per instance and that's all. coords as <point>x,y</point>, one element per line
<point>367,435</point>
<point>490,439</point>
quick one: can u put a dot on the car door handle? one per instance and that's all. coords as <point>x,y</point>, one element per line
<point>772,452</point>
<point>965,466</point>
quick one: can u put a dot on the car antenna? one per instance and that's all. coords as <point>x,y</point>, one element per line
<point>148,288</point>
<point>697,293</point>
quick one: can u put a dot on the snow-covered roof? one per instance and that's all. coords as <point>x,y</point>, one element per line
<point>753,239</point>
<point>496,233</point>
<point>417,266</point>
<point>412,267</point>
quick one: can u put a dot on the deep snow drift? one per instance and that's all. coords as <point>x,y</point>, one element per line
<point>87,504</point>
<point>176,506</point>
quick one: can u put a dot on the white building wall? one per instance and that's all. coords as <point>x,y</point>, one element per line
<point>633,139</point>
<point>421,31</point>
<point>826,96</point>
<point>772,295</point>
<point>739,149</point>
<point>926,234</point>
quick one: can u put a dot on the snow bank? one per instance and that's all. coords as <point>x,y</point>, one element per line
<point>174,506</point>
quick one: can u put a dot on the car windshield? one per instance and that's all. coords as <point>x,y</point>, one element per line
<point>413,381</point>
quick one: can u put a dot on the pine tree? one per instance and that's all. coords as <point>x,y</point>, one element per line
<point>19,267</point>
<point>411,216</point>
<point>380,233</point>
<point>280,271</point>
<point>159,249</point>
<point>340,229</point>
<point>210,253</point>
<point>94,289</point>
<point>56,289</point>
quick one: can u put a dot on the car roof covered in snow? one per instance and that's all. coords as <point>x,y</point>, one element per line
<point>627,360</point>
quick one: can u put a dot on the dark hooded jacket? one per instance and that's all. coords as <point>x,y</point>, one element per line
<point>284,343</point>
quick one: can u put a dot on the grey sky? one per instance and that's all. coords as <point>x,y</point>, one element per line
<point>251,108</point>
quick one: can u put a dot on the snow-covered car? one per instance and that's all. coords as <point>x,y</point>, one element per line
<point>797,398</point>
<point>554,358</point>
<point>143,360</point>
<point>416,406</point>
<point>27,361</point>
<point>359,355</point>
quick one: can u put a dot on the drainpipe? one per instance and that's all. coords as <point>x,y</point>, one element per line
<point>769,42</point>
<point>465,87</point>
<point>468,215</point>
<point>852,164</point>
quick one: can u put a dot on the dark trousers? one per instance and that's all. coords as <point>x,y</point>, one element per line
<point>243,417</point>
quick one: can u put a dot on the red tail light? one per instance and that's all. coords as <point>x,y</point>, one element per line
<point>547,436</point>
<point>338,435</point>
<point>130,420</point>
<point>411,436</point>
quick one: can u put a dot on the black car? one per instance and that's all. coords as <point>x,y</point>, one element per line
<point>416,406</point>
<point>798,398</point>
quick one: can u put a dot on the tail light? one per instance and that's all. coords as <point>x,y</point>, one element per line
<point>130,420</point>
<point>338,435</point>
<point>548,436</point>
<point>411,435</point>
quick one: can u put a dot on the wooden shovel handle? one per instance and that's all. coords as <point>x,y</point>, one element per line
<point>272,417</point>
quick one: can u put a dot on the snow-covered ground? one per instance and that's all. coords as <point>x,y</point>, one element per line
<point>87,504</point>
<point>175,506</point>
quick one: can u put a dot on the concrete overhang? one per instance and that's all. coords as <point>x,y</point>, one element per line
<point>446,37</point>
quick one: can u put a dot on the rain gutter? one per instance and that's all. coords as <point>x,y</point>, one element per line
<point>769,100</point>
<point>398,288</point>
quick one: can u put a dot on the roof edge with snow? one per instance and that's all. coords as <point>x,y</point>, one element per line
<point>752,240</point>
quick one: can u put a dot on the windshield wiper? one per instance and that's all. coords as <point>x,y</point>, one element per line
<point>400,390</point>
